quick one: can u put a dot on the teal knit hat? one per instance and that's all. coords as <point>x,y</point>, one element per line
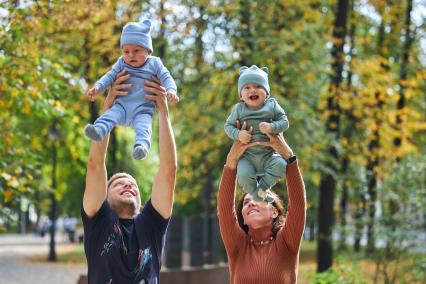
<point>255,75</point>
<point>137,33</point>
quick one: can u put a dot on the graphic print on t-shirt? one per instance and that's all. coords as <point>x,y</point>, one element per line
<point>114,239</point>
<point>144,256</point>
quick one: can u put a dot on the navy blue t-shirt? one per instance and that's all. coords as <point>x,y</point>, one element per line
<point>122,251</point>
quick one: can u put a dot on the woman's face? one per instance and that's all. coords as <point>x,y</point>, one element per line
<point>257,214</point>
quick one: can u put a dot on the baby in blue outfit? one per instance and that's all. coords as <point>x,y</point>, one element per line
<point>260,167</point>
<point>134,109</point>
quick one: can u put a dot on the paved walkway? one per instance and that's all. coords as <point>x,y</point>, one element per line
<point>16,268</point>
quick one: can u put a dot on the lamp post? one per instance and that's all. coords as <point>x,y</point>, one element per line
<point>53,135</point>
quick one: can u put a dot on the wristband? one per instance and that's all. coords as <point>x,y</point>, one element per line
<point>291,159</point>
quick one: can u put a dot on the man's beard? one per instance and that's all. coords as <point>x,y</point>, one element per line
<point>125,207</point>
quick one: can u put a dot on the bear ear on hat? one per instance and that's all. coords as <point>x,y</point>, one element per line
<point>147,25</point>
<point>243,68</point>
<point>265,69</point>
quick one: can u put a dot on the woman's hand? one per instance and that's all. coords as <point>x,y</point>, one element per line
<point>160,94</point>
<point>117,89</point>
<point>278,143</point>
<point>238,148</point>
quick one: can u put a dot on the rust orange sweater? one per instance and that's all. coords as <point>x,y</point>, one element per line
<point>276,261</point>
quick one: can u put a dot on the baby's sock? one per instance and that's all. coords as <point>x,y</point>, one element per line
<point>268,196</point>
<point>139,152</point>
<point>265,195</point>
<point>92,132</point>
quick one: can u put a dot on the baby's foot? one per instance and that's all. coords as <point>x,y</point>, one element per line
<point>268,196</point>
<point>265,195</point>
<point>92,132</point>
<point>139,152</point>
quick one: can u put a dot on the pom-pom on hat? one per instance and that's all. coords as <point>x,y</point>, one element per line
<point>137,33</point>
<point>255,75</point>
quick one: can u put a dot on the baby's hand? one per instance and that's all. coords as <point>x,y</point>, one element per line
<point>265,127</point>
<point>92,93</point>
<point>244,136</point>
<point>172,97</point>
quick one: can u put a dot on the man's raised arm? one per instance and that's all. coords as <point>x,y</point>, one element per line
<point>96,178</point>
<point>164,183</point>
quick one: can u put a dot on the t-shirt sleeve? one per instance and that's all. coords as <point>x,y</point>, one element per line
<point>153,219</point>
<point>98,221</point>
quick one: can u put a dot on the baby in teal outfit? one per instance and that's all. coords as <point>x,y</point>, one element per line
<point>260,167</point>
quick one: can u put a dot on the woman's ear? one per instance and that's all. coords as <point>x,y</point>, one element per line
<point>274,213</point>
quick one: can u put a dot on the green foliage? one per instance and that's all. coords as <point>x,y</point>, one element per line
<point>342,273</point>
<point>403,199</point>
<point>50,52</point>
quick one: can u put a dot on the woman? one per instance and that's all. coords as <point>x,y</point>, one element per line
<point>261,243</point>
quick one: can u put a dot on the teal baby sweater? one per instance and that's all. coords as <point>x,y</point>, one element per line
<point>270,112</point>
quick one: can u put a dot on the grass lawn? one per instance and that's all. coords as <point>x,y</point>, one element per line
<point>351,267</point>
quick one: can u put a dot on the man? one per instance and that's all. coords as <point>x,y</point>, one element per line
<point>123,244</point>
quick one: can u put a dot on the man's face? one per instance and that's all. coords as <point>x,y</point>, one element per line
<point>123,194</point>
<point>134,55</point>
<point>253,95</point>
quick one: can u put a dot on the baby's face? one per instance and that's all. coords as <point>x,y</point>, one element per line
<point>253,95</point>
<point>134,55</point>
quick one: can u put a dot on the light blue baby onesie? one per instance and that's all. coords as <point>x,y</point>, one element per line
<point>134,109</point>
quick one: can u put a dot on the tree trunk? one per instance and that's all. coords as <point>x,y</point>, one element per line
<point>207,223</point>
<point>247,44</point>
<point>328,181</point>
<point>408,39</point>
<point>361,209</point>
<point>161,48</point>
<point>347,133</point>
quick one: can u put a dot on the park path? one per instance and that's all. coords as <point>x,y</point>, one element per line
<point>17,268</point>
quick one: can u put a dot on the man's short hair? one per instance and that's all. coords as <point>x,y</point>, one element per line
<point>117,176</point>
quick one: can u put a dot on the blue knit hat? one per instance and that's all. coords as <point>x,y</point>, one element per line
<point>255,75</point>
<point>137,33</point>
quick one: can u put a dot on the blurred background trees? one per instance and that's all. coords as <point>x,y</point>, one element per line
<point>349,73</point>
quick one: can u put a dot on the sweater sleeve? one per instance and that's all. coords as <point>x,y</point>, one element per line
<point>165,77</point>
<point>292,231</point>
<point>106,80</point>
<point>280,123</point>
<point>230,230</point>
<point>231,124</point>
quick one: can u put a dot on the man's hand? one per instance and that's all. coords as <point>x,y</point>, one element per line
<point>92,93</point>
<point>172,97</point>
<point>117,89</point>
<point>265,127</point>
<point>160,94</point>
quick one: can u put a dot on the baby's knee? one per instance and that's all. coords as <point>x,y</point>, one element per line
<point>277,166</point>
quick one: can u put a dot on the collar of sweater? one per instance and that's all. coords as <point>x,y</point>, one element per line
<point>261,235</point>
